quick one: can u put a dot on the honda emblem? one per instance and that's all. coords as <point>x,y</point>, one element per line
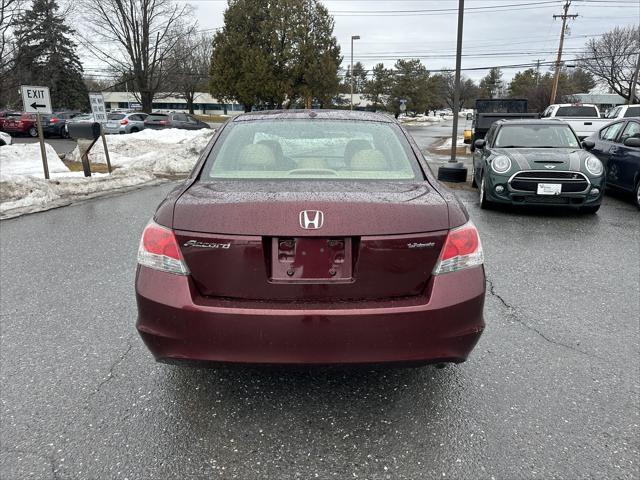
<point>311,219</point>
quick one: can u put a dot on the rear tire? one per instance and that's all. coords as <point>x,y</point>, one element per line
<point>33,132</point>
<point>134,130</point>
<point>590,210</point>
<point>637,197</point>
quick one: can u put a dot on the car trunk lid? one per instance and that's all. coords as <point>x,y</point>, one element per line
<point>247,241</point>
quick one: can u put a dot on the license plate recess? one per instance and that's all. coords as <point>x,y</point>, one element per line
<point>311,260</point>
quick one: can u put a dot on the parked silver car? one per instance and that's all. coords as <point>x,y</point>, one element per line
<point>119,122</point>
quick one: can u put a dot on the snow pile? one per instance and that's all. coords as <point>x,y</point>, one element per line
<point>21,194</point>
<point>446,144</point>
<point>170,152</point>
<point>425,119</point>
<point>25,159</point>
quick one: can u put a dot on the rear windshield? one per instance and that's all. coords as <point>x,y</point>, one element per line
<point>116,116</point>
<point>576,111</point>
<point>632,112</point>
<point>157,116</point>
<point>536,136</point>
<point>293,149</point>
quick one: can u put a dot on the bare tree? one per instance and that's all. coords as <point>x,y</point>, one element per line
<point>9,11</point>
<point>189,66</point>
<point>612,58</point>
<point>136,38</point>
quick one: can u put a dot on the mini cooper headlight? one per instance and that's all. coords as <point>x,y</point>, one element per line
<point>593,165</point>
<point>501,164</point>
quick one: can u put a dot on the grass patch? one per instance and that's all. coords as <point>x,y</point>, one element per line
<point>95,167</point>
<point>212,118</point>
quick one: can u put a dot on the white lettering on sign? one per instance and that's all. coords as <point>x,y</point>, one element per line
<point>36,99</point>
<point>96,100</point>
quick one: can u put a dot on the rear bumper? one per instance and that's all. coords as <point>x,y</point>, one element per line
<point>52,129</point>
<point>112,130</point>
<point>176,324</point>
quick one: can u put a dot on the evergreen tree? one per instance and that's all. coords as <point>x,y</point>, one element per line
<point>377,89</point>
<point>359,78</point>
<point>411,83</point>
<point>271,52</point>
<point>46,55</point>
<point>492,85</point>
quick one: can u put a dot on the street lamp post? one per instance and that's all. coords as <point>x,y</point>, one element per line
<point>353,37</point>
<point>455,171</point>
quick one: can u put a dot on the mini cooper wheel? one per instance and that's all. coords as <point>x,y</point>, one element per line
<point>33,132</point>
<point>637,198</point>
<point>484,203</point>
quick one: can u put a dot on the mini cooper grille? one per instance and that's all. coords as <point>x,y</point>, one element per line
<point>572,182</point>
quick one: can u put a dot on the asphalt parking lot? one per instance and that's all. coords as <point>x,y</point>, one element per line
<point>551,390</point>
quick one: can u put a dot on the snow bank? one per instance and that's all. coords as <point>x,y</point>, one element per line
<point>171,151</point>
<point>446,144</point>
<point>20,194</point>
<point>421,119</point>
<point>25,159</point>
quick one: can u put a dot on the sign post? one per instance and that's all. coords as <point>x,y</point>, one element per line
<point>37,100</point>
<point>100,116</point>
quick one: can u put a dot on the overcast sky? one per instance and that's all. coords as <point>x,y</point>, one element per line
<point>496,32</point>
<point>522,32</point>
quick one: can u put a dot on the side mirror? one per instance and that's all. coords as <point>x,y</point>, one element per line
<point>588,144</point>
<point>480,143</point>
<point>632,142</point>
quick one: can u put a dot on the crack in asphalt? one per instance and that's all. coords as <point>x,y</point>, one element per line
<point>514,315</point>
<point>112,367</point>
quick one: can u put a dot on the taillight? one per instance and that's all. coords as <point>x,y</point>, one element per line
<point>462,249</point>
<point>53,120</point>
<point>159,250</point>
<point>124,122</point>
<point>163,122</point>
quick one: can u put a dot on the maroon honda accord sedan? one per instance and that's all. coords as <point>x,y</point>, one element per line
<point>311,237</point>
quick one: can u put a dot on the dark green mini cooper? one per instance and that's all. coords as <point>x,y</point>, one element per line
<point>536,162</point>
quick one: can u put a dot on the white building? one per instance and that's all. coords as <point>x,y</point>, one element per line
<point>203,103</point>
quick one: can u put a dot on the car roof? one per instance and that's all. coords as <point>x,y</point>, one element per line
<point>323,114</point>
<point>531,121</point>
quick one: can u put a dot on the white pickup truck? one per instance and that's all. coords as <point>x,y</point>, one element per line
<point>585,119</point>
<point>623,111</point>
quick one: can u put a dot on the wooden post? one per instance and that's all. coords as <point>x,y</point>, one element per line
<point>106,150</point>
<point>43,150</point>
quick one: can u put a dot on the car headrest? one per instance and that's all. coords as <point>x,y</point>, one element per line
<point>256,157</point>
<point>275,147</point>
<point>368,160</point>
<point>354,146</point>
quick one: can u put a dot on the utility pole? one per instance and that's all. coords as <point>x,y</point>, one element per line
<point>537,72</point>
<point>353,37</point>
<point>634,82</point>
<point>556,78</point>
<point>455,171</point>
